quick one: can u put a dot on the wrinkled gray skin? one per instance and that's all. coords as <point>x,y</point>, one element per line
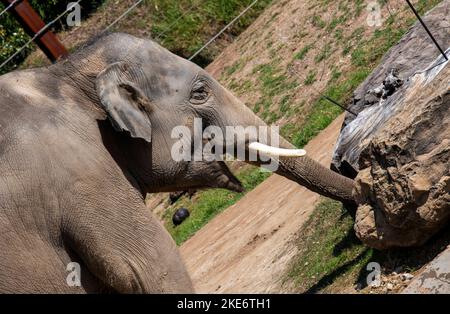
<point>72,184</point>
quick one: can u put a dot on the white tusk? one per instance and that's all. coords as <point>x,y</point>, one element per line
<point>276,151</point>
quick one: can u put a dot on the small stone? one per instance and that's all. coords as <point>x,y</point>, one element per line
<point>407,276</point>
<point>180,215</point>
<point>389,286</point>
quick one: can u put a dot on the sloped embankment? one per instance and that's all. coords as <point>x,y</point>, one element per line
<point>297,50</point>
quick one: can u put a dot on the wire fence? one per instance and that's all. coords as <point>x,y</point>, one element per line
<point>39,33</point>
<point>124,14</point>
<point>158,36</point>
<point>51,23</point>
<point>118,19</point>
<point>223,29</point>
<point>169,28</point>
<point>9,7</point>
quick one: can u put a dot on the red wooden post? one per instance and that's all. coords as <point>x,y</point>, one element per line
<point>32,24</point>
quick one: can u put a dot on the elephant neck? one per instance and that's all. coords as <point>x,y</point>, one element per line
<point>81,74</point>
<point>80,69</point>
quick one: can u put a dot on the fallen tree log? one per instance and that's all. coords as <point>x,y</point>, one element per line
<point>403,186</point>
<point>398,146</point>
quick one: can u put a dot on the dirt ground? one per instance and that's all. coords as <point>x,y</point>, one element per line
<point>247,248</point>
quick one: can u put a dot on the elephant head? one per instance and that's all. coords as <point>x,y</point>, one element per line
<point>146,93</point>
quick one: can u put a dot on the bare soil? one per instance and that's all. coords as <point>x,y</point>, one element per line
<point>247,248</point>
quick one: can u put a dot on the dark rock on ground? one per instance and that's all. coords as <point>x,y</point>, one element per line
<point>180,215</point>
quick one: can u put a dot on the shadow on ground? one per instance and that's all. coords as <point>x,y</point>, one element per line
<point>332,259</point>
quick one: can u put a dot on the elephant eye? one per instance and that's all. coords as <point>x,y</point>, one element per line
<point>200,93</point>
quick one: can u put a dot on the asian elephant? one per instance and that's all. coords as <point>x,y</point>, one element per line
<point>81,143</point>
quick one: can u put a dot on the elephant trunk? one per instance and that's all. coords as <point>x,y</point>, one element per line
<point>294,165</point>
<point>317,178</point>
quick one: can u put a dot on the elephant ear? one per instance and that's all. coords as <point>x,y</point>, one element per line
<point>124,102</point>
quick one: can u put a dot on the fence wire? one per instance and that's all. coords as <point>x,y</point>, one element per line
<point>222,30</point>
<point>9,7</point>
<point>48,25</point>
<point>122,16</point>
<point>41,31</point>
<point>169,28</point>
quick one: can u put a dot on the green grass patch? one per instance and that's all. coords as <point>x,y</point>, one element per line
<point>240,86</point>
<point>337,20</point>
<point>302,53</point>
<point>284,104</point>
<point>328,249</point>
<point>185,30</point>
<point>324,54</point>
<point>331,258</point>
<point>346,49</point>
<point>208,203</point>
<point>335,74</point>
<point>233,68</point>
<point>273,82</point>
<point>324,112</point>
<point>310,78</point>
<point>317,21</point>
<point>339,34</point>
<point>371,51</point>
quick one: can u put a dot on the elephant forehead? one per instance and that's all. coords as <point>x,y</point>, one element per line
<point>168,79</point>
<point>164,62</point>
<point>165,73</point>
